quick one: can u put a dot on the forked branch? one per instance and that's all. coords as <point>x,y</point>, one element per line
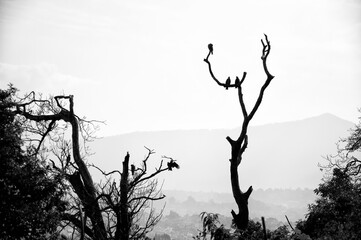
<point>239,146</point>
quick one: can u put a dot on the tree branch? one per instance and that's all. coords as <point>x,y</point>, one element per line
<point>265,52</point>
<point>225,85</point>
<point>105,173</point>
<point>241,100</point>
<point>74,220</point>
<point>146,198</point>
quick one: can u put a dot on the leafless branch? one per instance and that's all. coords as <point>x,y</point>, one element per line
<point>105,173</point>
<point>289,223</point>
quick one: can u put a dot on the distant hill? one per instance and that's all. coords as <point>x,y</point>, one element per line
<point>280,155</point>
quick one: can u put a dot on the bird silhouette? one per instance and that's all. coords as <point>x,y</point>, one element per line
<point>228,82</point>
<point>132,169</point>
<point>172,164</point>
<point>210,47</point>
<point>237,82</point>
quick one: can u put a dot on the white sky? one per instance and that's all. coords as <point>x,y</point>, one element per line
<point>139,64</point>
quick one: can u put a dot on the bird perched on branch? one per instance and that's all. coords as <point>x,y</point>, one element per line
<point>132,169</point>
<point>210,47</point>
<point>228,82</point>
<point>237,82</point>
<point>172,164</point>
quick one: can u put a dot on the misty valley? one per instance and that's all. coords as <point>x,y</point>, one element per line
<point>181,216</point>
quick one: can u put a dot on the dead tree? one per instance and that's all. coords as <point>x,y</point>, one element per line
<point>125,203</point>
<point>111,210</point>
<point>239,145</point>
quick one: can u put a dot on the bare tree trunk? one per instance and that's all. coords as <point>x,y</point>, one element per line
<point>81,180</point>
<point>90,201</point>
<point>239,146</point>
<point>123,226</point>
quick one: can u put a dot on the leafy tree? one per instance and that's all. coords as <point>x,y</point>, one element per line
<point>337,213</point>
<point>253,232</point>
<point>348,155</point>
<point>281,233</point>
<point>213,228</point>
<point>30,203</point>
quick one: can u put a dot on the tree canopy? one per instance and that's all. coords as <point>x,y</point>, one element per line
<point>31,200</point>
<point>337,212</point>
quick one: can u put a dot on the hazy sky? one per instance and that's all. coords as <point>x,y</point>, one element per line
<point>139,64</point>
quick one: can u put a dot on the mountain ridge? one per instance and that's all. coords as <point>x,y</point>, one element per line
<point>330,115</point>
<point>279,155</point>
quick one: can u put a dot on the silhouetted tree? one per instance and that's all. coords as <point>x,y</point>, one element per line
<point>337,213</point>
<point>347,157</point>
<point>128,208</point>
<point>112,210</point>
<point>213,228</point>
<point>239,146</point>
<point>31,200</point>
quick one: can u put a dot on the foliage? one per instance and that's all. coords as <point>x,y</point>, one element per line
<point>213,229</point>
<point>336,214</point>
<point>30,204</point>
<point>253,232</point>
<point>217,231</point>
<point>280,233</point>
<point>348,155</point>
<point>211,226</point>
